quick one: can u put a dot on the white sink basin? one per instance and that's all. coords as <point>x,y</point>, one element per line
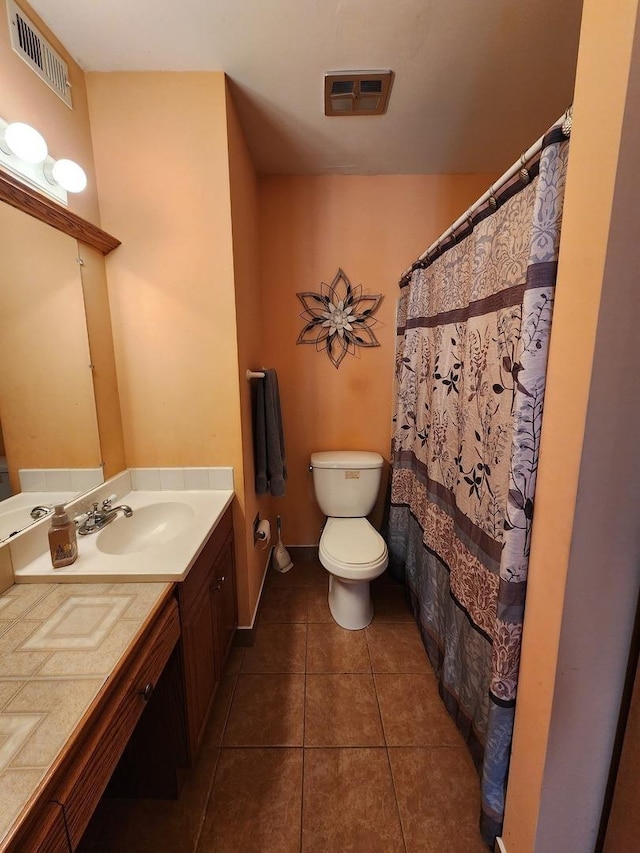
<point>159,542</point>
<point>149,527</point>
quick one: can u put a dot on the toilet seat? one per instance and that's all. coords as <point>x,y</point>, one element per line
<point>351,548</point>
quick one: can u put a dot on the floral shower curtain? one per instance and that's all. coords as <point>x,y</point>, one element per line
<point>473,331</point>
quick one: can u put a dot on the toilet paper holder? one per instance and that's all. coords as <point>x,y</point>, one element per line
<point>262,533</point>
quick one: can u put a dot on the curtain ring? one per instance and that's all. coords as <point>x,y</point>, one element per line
<point>524,172</point>
<point>568,122</point>
<point>493,204</point>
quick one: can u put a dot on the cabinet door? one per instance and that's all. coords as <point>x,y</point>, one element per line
<point>208,614</point>
<point>224,598</point>
<point>200,669</point>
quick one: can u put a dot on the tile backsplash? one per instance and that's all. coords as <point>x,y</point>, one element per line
<point>179,479</point>
<point>59,479</point>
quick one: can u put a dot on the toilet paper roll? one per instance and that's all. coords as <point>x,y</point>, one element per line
<point>263,533</point>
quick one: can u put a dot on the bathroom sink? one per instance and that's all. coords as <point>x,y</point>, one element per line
<point>149,527</point>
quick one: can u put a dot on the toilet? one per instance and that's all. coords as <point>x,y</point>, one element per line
<point>346,484</point>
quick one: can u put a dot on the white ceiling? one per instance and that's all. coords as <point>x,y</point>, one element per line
<point>476,81</point>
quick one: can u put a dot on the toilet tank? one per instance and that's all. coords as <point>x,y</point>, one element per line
<point>346,482</point>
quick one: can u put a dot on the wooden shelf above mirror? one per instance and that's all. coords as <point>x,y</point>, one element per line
<point>18,195</point>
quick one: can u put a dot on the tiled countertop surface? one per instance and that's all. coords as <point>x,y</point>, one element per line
<point>58,645</point>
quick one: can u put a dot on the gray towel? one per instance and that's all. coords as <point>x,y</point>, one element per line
<point>268,437</point>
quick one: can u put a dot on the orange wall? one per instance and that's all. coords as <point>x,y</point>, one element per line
<point>583,574</point>
<point>372,227</point>
<point>25,97</point>
<point>165,191</point>
<point>250,318</point>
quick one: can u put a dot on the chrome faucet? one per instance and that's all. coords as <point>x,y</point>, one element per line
<point>96,518</point>
<point>40,511</point>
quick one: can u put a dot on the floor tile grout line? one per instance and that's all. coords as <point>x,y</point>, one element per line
<point>375,690</point>
<point>228,714</point>
<point>233,693</point>
<point>203,817</point>
<point>302,799</point>
<point>304,727</point>
<point>395,794</point>
<point>386,746</point>
<point>304,703</point>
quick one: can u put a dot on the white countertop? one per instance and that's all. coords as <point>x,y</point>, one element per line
<point>167,561</point>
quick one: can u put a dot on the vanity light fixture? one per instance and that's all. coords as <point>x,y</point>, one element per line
<point>23,152</point>
<point>25,142</point>
<point>68,175</point>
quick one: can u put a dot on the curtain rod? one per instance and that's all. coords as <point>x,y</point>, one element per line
<point>565,120</point>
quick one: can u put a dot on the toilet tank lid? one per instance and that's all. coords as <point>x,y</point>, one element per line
<point>346,459</point>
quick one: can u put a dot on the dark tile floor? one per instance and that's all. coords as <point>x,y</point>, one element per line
<point>321,739</point>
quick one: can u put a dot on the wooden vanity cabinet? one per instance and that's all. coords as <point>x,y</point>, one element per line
<point>208,614</point>
<point>50,834</point>
<point>178,659</point>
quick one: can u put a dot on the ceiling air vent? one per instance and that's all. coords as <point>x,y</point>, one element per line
<point>357,93</point>
<point>29,43</point>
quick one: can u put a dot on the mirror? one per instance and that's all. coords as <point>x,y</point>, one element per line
<point>48,417</point>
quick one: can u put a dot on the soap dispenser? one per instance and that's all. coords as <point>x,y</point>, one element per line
<point>62,539</point>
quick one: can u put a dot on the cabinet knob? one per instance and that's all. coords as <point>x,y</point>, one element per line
<point>147,691</point>
<point>219,584</point>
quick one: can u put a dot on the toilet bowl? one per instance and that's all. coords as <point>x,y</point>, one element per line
<point>352,551</point>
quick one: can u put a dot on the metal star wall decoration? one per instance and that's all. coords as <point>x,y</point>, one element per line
<point>339,318</point>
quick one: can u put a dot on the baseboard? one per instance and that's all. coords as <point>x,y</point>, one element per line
<point>500,848</point>
<point>246,634</point>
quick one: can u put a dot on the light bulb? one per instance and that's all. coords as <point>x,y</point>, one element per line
<point>25,142</point>
<point>69,175</point>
